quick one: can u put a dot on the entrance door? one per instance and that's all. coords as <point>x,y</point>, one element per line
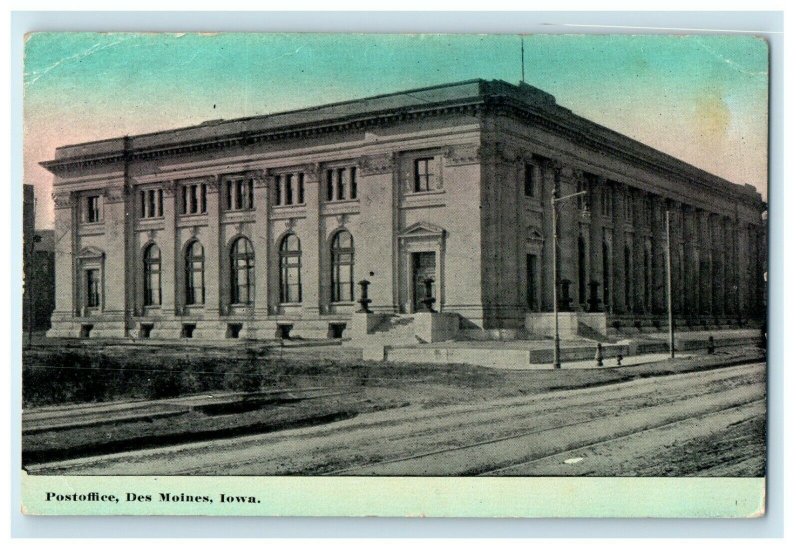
<point>533,282</point>
<point>423,266</point>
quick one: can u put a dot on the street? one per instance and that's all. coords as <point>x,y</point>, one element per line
<point>704,423</point>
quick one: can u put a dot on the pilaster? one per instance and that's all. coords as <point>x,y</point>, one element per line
<point>214,255</point>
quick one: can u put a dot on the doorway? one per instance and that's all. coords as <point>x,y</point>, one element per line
<point>423,267</point>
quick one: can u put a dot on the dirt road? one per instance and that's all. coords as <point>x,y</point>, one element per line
<point>701,423</point>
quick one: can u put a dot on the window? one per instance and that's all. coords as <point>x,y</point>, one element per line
<point>532,280</point>
<point>341,184</point>
<point>606,276</point>
<point>583,200</point>
<point>152,276</point>
<point>291,288</point>
<point>239,194</point>
<point>195,275</point>
<point>342,259</point>
<point>287,193</point>
<point>607,201</point>
<point>529,181</point>
<point>92,288</point>
<point>628,199</point>
<point>353,184</point>
<point>151,203</point>
<point>647,210</point>
<point>193,198</point>
<point>92,209</point>
<point>628,276</point>
<point>242,271</point>
<point>290,189</point>
<point>423,175</point>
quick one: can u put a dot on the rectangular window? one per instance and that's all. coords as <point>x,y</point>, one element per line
<point>340,183</point>
<point>423,174</point>
<point>229,194</point>
<point>330,185</point>
<point>92,288</point>
<point>278,190</point>
<point>583,200</point>
<point>151,203</point>
<point>184,199</point>
<point>353,184</point>
<point>608,207</point>
<point>239,194</point>
<point>628,206</point>
<point>529,180</point>
<point>193,198</point>
<point>92,209</point>
<point>301,188</point>
<point>288,194</point>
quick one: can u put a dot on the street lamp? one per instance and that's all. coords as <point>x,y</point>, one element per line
<point>554,202</point>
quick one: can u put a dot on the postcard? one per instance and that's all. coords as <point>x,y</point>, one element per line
<point>395,275</point>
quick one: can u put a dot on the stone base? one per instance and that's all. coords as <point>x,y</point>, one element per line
<point>433,327</point>
<point>571,325</point>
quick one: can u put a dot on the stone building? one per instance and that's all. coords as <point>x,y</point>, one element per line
<point>262,227</point>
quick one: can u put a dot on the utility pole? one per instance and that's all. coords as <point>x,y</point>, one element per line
<point>556,349</point>
<point>522,56</point>
<point>669,291</point>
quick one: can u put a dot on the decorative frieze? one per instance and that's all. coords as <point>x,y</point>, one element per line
<point>377,164</point>
<point>463,155</point>
<point>62,199</point>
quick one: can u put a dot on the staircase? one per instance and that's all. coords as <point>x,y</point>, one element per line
<point>394,330</point>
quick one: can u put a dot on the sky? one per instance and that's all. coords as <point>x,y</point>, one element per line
<point>701,98</point>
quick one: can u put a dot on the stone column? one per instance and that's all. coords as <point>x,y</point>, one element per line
<point>262,198</point>
<point>117,267</point>
<point>67,285</point>
<point>595,244</point>
<point>717,271</point>
<point>742,251</point>
<point>214,256</point>
<point>731,270</point>
<point>657,229</point>
<point>618,249</point>
<point>637,253</point>
<point>691,232</point>
<point>689,284</point>
<point>169,259</point>
<point>549,182</point>
<point>568,213</point>
<point>311,243</point>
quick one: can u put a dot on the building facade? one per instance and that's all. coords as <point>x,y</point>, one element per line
<point>262,227</point>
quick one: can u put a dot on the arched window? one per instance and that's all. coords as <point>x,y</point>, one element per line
<point>242,271</point>
<point>291,287</point>
<point>342,257</point>
<point>152,275</point>
<point>195,275</point>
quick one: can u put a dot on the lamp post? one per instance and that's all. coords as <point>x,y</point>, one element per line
<point>554,202</point>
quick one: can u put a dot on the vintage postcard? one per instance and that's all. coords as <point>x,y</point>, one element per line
<point>395,275</point>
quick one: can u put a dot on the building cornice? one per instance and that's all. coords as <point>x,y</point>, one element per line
<point>496,98</point>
